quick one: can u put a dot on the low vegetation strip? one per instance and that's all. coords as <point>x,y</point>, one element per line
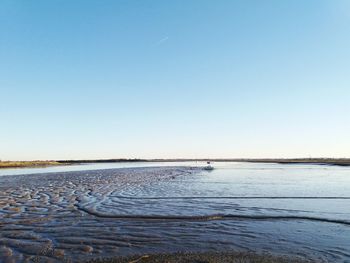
<point>15,164</point>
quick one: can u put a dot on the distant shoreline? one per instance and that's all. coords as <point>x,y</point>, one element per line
<point>40,163</point>
<point>27,164</point>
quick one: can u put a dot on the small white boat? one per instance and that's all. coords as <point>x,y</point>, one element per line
<point>208,167</point>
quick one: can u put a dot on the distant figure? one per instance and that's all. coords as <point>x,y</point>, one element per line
<point>208,167</point>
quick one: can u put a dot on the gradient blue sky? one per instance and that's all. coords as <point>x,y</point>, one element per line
<point>167,79</point>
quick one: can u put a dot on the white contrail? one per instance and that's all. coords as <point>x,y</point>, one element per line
<point>161,41</point>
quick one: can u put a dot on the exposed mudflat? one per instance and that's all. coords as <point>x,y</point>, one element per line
<point>79,216</point>
<point>47,217</point>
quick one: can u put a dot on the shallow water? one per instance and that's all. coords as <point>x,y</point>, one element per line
<point>91,166</point>
<point>298,210</point>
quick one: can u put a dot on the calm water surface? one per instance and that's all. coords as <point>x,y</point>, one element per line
<point>91,166</point>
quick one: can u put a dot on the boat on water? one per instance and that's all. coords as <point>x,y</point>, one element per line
<point>209,167</point>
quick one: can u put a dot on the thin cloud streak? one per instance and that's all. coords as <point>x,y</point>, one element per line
<point>162,41</point>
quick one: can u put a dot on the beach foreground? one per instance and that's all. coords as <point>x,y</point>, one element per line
<point>115,214</point>
<point>52,217</point>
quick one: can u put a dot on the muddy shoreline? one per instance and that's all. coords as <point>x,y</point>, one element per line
<point>315,161</point>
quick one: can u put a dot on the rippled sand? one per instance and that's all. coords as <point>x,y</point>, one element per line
<point>43,216</point>
<point>79,216</point>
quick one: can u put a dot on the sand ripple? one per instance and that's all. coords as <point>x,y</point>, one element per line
<point>81,215</point>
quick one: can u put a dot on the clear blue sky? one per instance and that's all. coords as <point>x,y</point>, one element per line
<point>167,79</point>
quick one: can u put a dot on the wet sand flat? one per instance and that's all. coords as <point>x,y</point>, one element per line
<point>118,213</point>
<point>40,215</point>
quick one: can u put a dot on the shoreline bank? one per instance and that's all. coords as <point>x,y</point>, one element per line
<point>47,163</point>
